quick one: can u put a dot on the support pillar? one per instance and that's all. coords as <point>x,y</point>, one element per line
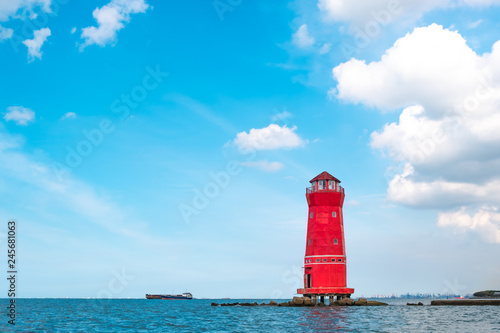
<point>314,300</point>
<point>322,299</point>
<point>330,300</point>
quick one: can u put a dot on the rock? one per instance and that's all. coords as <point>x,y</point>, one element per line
<point>230,304</point>
<point>214,304</point>
<point>298,301</point>
<point>466,302</point>
<point>345,301</point>
<point>375,303</point>
<point>273,303</point>
<point>361,302</point>
<point>321,304</point>
<point>263,304</point>
<point>249,304</point>
<point>284,304</point>
<point>415,304</point>
<point>307,301</point>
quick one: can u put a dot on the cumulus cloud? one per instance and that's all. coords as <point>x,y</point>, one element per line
<point>111,18</point>
<point>420,68</point>
<point>486,222</point>
<point>22,8</point>
<point>20,115</point>
<point>268,138</point>
<point>445,143</point>
<point>265,165</point>
<point>5,33</point>
<point>437,192</point>
<point>363,13</point>
<point>325,48</point>
<point>34,45</point>
<point>69,115</point>
<point>302,38</point>
<point>281,116</point>
<point>475,24</point>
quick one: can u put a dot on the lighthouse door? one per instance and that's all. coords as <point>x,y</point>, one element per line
<point>308,280</point>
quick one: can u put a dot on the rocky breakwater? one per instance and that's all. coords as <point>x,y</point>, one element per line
<point>307,301</point>
<point>465,302</point>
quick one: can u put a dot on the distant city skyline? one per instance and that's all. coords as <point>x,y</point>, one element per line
<point>150,146</point>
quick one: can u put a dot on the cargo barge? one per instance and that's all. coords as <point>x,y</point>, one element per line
<point>161,296</point>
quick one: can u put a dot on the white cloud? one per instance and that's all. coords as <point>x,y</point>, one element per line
<point>268,138</point>
<point>446,139</point>
<point>265,165</point>
<point>302,38</point>
<point>479,3</point>
<point>485,222</point>
<point>405,188</point>
<point>34,45</point>
<point>69,115</point>
<point>475,24</point>
<point>69,193</point>
<point>281,116</point>
<point>22,8</point>
<point>427,55</point>
<point>5,33</point>
<point>363,13</point>
<point>325,48</point>
<point>20,115</point>
<point>73,30</point>
<point>110,19</point>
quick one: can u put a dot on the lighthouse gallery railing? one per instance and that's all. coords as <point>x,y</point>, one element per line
<point>312,189</point>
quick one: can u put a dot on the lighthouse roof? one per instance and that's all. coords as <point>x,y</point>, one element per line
<point>324,176</point>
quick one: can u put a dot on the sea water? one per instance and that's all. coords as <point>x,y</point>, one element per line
<point>197,315</point>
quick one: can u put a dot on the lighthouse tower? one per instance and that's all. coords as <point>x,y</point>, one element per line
<point>325,259</point>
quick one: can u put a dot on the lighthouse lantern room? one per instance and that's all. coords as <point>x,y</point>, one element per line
<point>325,259</point>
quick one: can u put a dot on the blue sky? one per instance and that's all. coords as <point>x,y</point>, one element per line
<point>157,146</point>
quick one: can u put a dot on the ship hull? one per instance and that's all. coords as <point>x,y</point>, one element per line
<point>170,297</point>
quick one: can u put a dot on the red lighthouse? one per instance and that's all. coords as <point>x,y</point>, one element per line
<point>325,259</point>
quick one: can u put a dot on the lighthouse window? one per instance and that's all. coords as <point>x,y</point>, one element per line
<point>321,184</point>
<point>311,215</point>
<point>324,260</point>
<point>339,260</point>
<point>335,242</point>
<point>309,242</point>
<point>331,185</point>
<point>317,260</point>
<point>334,214</point>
